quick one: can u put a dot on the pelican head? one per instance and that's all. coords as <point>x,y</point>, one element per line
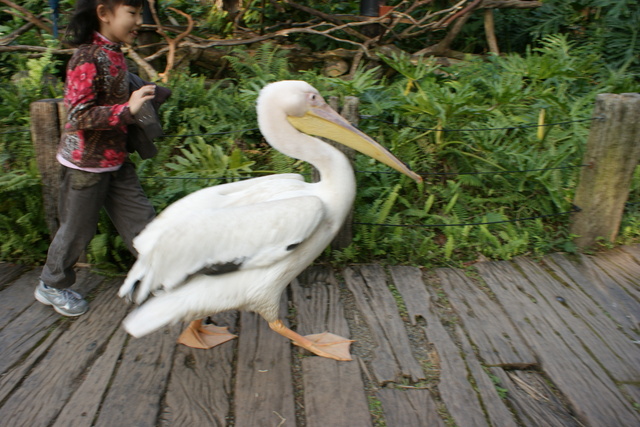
<point>306,110</point>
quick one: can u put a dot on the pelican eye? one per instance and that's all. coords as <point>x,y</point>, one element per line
<point>315,99</point>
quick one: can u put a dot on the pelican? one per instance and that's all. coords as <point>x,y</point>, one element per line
<point>237,246</point>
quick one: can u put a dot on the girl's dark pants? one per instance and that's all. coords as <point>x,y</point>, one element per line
<point>82,195</point>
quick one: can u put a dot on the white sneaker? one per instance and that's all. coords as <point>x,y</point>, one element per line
<point>64,301</point>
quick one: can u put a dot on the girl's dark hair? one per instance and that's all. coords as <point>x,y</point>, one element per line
<point>85,18</point>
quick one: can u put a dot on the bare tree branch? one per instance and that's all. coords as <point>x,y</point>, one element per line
<point>173,43</point>
<point>28,16</point>
<point>421,27</point>
<point>443,47</point>
<point>331,18</point>
<point>407,20</point>
<point>490,32</point>
<point>151,72</point>
<point>17,33</point>
<point>39,49</point>
<point>511,4</point>
<point>467,10</point>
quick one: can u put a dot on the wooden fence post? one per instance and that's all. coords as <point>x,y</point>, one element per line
<point>613,152</point>
<point>48,117</point>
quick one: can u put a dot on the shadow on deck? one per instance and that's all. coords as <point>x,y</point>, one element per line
<point>551,343</point>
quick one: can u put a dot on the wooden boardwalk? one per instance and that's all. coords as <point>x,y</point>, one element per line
<point>517,343</point>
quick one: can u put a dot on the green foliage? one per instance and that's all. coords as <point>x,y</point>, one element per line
<point>25,235</point>
<point>502,392</point>
<point>450,123</point>
<point>22,225</point>
<point>608,28</point>
<point>557,81</point>
<point>268,64</point>
<point>630,227</point>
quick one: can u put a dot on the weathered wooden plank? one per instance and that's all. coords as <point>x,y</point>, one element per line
<point>622,269</point>
<point>634,251</point>
<point>48,386</point>
<point>409,283</point>
<point>623,260</point>
<point>264,387</point>
<point>615,297</point>
<point>603,290</point>
<point>18,372</point>
<point>15,298</point>
<point>27,329</point>
<point>403,408</point>
<point>633,391</point>
<point>595,398</point>
<point>317,302</point>
<point>200,386</point>
<point>455,390</point>
<point>490,329</point>
<point>10,272</point>
<point>333,391</point>
<point>497,412</point>
<point>138,386</point>
<point>23,333</point>
<point>533,400</point>
<point>317,310</point>
<point>83,405</point>
<point>597,332</point>
<point>393,357</point>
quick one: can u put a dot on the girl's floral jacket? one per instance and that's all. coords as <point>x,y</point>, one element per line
<point>96,97</point>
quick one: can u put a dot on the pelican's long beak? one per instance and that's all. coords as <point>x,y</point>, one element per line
<point>325,122</point>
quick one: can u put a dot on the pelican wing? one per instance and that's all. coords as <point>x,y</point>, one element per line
<point>219,240</point>
<point>246,192</point>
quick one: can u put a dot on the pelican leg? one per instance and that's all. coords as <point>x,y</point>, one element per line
<point>198,335</point>
<point>325,344</point>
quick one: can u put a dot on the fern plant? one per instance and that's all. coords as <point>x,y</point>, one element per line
<point>255,70</point>
<point>610,28</point>
<point>22,225</point>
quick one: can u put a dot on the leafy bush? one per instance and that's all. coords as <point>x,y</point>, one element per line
<point>22,225</point>
<point>465,127</point>
<point>554,83</point>
<point>609,28</point>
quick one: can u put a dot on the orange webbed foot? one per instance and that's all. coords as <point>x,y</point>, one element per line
<point>205,336</point>
<point>326,344</point>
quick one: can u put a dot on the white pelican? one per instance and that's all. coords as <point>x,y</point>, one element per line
<point>238,245</point>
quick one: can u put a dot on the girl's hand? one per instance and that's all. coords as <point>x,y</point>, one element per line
<point>140,96</point>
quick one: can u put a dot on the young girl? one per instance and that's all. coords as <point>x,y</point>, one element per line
<point>96,172</point>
